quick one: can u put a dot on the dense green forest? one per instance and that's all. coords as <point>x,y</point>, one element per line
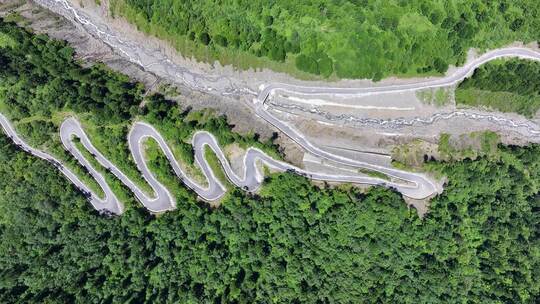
<point>345,38</point>
<point>41,84</point>
<point>505,85</point>
<point>291,243</point>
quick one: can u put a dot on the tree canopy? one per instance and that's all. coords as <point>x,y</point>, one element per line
<point>293,242</point>
<point>505,85</point>
<point>346,38</point>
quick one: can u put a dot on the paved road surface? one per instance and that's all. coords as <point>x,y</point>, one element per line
<point>110,203</point>
<point>161,199</point>
<point>155,61</point>
<point>458,75</point>
<point>415,185</point>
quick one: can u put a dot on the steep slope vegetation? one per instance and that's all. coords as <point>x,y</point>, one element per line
<point>504,85</point>
<point>292,243</point>
<point>345,38</point>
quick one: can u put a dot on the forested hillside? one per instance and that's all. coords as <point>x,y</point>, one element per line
<point>346,38</point>
<point>295,243</point>
<point>292,243</point>
<point>504,85</point>
<point>41,85</point>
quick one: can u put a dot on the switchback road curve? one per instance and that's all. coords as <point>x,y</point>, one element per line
<point>419,185</point>
<point>161,199</point>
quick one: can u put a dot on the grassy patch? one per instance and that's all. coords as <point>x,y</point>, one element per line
<point>438,97</point>
<point>160,166</point>
<point>375,174</point>
<point>472,146</point>
<point>502,101</point>
<point>118,188</point>
<point>215,165</point>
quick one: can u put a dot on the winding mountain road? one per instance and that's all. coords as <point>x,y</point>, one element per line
<point>162,200</point>
<point>458,75</point>
<point>415,185</point>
